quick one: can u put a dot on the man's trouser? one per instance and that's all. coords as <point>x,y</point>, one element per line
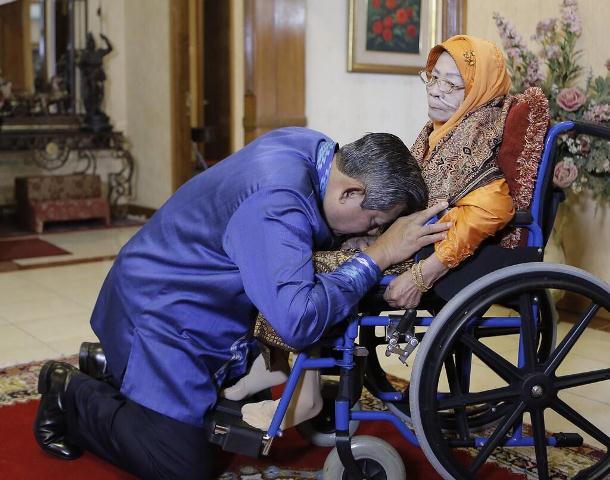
<point>134,438</point>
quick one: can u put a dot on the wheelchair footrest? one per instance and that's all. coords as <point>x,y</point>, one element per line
<point>568,439</point>
<point>225,427</point>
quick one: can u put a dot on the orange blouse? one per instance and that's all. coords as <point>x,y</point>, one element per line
<point>478,215</point>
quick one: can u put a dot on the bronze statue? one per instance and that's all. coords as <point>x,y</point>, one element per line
<point>91,63</point>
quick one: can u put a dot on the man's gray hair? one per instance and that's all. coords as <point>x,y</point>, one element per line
<point>388,171</point>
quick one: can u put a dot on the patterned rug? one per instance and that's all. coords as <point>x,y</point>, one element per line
<point>18,386</point>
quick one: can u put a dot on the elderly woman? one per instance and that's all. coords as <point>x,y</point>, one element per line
<point>466,85</point>
<point>467,88</point>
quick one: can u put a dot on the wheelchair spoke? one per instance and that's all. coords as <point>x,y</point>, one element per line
<point>570,339</point>
<point>542,462</point>
<point>497,363</point>
<point>456,388</point>
<point>578,420</point>
<point>528,332</point>
<point>496,438</point>
<point>504,394</point>
<point>578,379</point>
<point>463,364</point>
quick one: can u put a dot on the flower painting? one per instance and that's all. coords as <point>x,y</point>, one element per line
<point>393,26</point>
<point>395,36</point>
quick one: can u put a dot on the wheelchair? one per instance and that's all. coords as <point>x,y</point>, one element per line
<point>457,422</point>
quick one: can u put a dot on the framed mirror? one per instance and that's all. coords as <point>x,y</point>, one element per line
<point>38,44</point>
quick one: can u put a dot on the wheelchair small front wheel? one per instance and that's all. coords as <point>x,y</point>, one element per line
<point>377,458</point>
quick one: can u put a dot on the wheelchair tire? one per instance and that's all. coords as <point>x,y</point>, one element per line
<point>377,458</point>
<point>320,430</point>
<point>533,387</point>
<point>480,418</point>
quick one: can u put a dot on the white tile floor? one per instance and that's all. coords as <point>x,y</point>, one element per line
<point>44,313</point>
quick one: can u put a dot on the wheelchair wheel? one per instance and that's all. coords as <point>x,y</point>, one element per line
<point>479,416</point>
<point>536,387</point>
<point>320,430</point>
<point>377,458</point>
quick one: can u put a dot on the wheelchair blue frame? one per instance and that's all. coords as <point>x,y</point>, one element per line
<point>346,343</point>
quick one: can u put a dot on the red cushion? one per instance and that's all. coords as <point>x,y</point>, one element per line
<point>520,153</point>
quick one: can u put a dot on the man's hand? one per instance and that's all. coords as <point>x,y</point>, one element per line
<point>406,236</point>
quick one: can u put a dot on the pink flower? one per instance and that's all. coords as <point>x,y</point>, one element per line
<point>571,99</point>
<point>564,174</point>
<point>598,113</point>
<point>608,64</point>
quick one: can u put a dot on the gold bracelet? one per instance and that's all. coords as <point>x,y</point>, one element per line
<point>421,275</point>
<point>418,278</point>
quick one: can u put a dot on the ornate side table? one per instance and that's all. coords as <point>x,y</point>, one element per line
<point>52,146</point>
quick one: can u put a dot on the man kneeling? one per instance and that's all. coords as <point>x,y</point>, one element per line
<point>176,311</point>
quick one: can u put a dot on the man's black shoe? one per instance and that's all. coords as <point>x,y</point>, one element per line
<point>92,360</point>
<point>50,425</point>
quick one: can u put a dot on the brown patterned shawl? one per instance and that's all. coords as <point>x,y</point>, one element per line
<point>465,158</point>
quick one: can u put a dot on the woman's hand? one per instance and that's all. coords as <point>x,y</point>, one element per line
<point>402,292</point>
<point>406,236</point>
<point>359,243</point>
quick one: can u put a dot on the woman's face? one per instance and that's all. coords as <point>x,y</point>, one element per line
<point>441,106</point>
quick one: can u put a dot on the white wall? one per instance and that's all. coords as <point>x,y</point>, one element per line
<point>347,105</point>
<point>137,89</point>
<point>147,44</point>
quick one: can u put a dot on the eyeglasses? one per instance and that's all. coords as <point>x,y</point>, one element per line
<point>444,85</point>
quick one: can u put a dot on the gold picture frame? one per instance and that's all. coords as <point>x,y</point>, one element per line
<point>395,36</point>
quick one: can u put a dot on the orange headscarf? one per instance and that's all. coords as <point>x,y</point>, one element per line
<point>481,65</point>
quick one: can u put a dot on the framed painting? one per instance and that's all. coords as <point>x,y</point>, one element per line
<point>394,36</point>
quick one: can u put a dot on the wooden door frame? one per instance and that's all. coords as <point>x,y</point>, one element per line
<point>179,87</point>
<point>187,52</point>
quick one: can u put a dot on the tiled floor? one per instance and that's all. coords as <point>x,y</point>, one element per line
<point>44,313</point>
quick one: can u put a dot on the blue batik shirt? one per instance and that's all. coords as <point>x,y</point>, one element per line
<point>176,311</point>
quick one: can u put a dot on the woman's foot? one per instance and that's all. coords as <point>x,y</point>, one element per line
<point>306,403</point>
<point>257,379</point>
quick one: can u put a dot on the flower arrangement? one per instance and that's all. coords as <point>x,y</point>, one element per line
<point>585,160</point>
